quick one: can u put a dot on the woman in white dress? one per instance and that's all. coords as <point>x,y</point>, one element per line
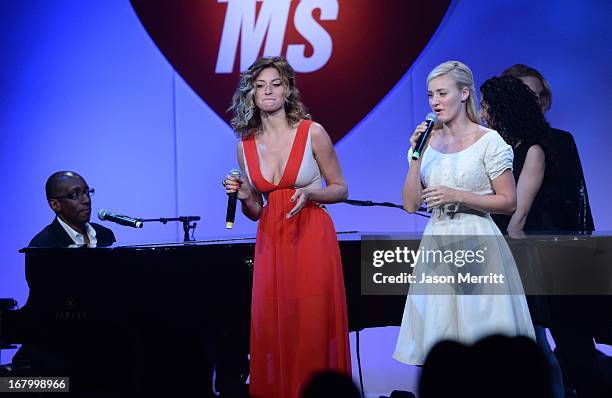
<point>464,174</point>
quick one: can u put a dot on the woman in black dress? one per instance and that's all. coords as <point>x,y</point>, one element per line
<point>510,107</point>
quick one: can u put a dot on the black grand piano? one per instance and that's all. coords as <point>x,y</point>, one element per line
<point>149,317</point>
<point>154,317</point>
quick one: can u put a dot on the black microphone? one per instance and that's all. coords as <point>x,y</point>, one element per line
<point>106,215</point>
<point>431,119</point>
<point>231,202</point>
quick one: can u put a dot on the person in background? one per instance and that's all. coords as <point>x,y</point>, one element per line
<point>571,204</point>
<point>576,322</point>
<point>511,108</point>
<point>496,366</point>
<point>328,384</point>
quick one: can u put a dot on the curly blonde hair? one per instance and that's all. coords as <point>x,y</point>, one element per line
<point>247,120</point>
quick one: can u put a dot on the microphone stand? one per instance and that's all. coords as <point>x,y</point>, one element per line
<point>355,202</point>
<point>186,220</point>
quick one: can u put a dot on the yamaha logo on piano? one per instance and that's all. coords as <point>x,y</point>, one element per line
<point>70,313</point>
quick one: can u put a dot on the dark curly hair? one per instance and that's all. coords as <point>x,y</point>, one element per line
<point>246,120</point>
<point>513,110</point>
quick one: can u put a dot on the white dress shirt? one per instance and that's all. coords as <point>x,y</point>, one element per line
<point>77,237</point>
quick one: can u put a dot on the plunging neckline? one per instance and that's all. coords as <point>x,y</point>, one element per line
<point>284,170</point>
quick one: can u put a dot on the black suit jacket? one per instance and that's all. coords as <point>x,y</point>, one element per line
<point>54,235</point>
<point>570,196</point>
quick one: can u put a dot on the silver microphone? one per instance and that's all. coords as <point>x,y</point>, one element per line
<point>106,215</point>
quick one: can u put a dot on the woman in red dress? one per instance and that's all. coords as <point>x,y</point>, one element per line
<point>298,317</point>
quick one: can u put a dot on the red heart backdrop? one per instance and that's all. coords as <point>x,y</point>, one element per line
<point>374,44</point>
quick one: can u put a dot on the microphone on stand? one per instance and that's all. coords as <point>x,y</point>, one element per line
<point>431,119</point>
<point>231,202</point>
<point>106,215</point>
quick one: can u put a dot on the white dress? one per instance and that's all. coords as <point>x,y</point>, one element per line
<point>430,318</point>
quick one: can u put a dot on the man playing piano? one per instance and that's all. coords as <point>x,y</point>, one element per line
<point>69,197</point>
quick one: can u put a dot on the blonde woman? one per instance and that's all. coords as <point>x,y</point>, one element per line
<point>464,174</point>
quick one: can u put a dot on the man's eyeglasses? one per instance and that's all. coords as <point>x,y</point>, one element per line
<point>77,195</point>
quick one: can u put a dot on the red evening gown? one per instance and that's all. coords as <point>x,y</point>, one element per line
<point>298,317</point>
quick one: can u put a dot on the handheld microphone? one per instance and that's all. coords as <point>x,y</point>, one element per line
<point>231,202</point>
<point>431,119</point>
<point>106,215</point>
